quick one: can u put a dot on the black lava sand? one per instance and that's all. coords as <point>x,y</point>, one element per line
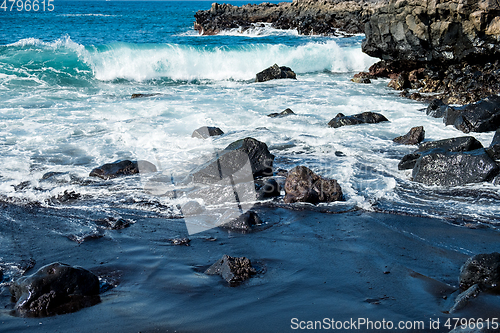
<point>310,266</point>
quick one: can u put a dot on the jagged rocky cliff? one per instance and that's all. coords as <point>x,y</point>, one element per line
<point>309,17</point>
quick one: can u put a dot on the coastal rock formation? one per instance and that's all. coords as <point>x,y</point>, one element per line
<point>206,132</point>
<point>244,222</point>
<point>454,45</point>
<point>233,270</point>
<point>461,144</point>
<point>309,17</point>
<point>122,168</point>
<point>275,72</point>
<point>413,137</point>
<point>361,118</point>
<point>483,116</point>
<point>232,161</point>
<point>267,188</point>
<point>283,113</point>
<point>481,269</point>
<point>455,168</point>
<point>303,185</point>
<point>55,289</point>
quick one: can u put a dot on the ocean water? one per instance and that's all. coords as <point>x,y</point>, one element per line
<point>67,76</point>
<point>66,81</point>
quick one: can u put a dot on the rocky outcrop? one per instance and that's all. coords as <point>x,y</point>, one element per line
<point>455,168</point>
<point>309,17</point>
<point>242,160</point>
<point>482,269</point>
<point>233,270</point>
<point>453,43</point>
<point>483,116</point>
<point>413,137</point>
<point>122,168</point>
<point>55,289</point>
<point>206,132</point>
<point>303,185</point>
<point>361,118</point>
<point>275,72</point>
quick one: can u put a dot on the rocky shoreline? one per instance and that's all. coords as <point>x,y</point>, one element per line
<point>430,49</point>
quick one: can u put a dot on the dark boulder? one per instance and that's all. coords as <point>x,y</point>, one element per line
<point>483,116</point>
<point>122,168</point>
<point>413,137</point>
<point>275,72</point>
<point>55,289</point>
<point>206,132</point>
<point>114,223</point>
<point>233,270</point>
<point>243,160</point>
<point>243,223</point>
<point>461,144</point>
<point>361,118</point>
<point>436,108</point>
<point>496,139</point>
<point>284,113</point>
<point>267,188</point>
<point>303,185</point>
<point>494,148</point>
<point>143,95</point>
<point>481,269</point>
<point>454,168</point>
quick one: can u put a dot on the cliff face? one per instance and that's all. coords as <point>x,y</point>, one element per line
<point>447,31</point>
<point>309,17</point>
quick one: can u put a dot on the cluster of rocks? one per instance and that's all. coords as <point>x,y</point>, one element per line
<point>309,17</point>
<point>454,162</point>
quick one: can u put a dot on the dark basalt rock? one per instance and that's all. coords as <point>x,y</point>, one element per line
<point>483,116</point>
<point>206,132</point>
<point>284,113</point>
<point>413,137</point>
<point>68,196</point>
<point>303,185</point>
<point>233,161</point>
<point>481,269</point>
<point>55,289</point>
<point>275,72</point>
<point>268,188</point>
<point>122,168</point>
<point>494,149</point>
<point>233,270</point>
<point>114,223</point>
<point>361,118</point>
<point>461,144</point>
<point>401,82</point>
<point>436,108</point>
<point>454,168</point>
<point>244,222</point>
<point>496,139</point>
<point>180,241</point>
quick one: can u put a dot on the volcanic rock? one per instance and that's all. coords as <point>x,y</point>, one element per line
<point>361,118</point>
<point>206,132</point>
<point>55,289</point>
<point>275,72</point>
<point>283,113</point>
<point>122,168</point>
<point>413,137</point>
<point>483,116</point>
<point>481,269</point>
<point>303,185</point>
<point>233,270</point>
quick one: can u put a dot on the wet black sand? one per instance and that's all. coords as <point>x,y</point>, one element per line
<point>312,266</point>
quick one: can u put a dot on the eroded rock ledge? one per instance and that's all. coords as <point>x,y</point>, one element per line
<point>309,17</point>
<point>444,46</point>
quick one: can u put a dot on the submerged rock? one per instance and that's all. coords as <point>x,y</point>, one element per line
<point>483,116</point>
<point>243,160</point>
<point>244,222</point>
<point>275,72</point>
<point>122,168</point>
<point>233,270</point>
<point>454,168</point>
<point>361,118</point>
<point>483,270</point>
<point>413,137</point>
<point>206,132</point>
<point>303,185</point>
<point>284,113</point>
<point>114,223</point>
<point>55,289</point>
<point>143,95</point>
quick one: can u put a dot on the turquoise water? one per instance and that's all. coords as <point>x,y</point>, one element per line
<point>66,78</point>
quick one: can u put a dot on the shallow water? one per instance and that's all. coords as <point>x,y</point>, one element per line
<point>66,80</point>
